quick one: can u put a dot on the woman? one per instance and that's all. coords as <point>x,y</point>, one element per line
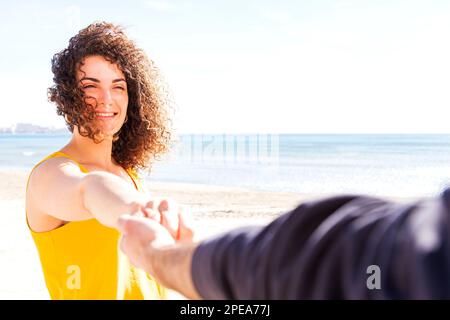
<point>111,97</point>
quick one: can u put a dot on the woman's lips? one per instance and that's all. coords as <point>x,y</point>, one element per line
<point>105,115</point>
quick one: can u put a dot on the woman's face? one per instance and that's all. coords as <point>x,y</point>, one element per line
<point>106,91</point>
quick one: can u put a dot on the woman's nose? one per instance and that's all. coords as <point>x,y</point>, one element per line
<point>106,97</point>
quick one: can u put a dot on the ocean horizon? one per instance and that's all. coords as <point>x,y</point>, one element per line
<point>376,164</point>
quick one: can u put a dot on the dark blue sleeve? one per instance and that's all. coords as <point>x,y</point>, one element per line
<point>323,249</point>
<point>256,262</point>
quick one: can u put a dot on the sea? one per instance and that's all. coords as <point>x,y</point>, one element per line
<point>404,165</point>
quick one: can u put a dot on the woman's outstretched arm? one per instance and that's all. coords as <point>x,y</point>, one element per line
<point>57,188</point>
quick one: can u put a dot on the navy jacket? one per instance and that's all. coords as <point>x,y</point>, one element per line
<point>345,247</point>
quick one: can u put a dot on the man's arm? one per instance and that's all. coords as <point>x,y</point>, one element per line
<point>352,247</point>
<point>325,249</point>
<point>172,268</point>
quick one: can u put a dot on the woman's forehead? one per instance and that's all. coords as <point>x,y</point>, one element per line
<point>98,67</point>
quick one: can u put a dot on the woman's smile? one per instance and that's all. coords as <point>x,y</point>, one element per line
<point>105,115</point>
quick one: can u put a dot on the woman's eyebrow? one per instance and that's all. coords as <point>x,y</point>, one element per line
<point>98,81</point>
<point>88,78</point>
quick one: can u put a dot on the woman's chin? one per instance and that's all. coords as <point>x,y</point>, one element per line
<point>107,135</point>
<point>109,131</point>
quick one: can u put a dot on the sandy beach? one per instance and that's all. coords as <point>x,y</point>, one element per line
<point>215,210</point>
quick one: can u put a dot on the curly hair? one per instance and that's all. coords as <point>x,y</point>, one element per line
<point>147,133</point>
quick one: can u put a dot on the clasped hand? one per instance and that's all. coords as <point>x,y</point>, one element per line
<point>158,224</point>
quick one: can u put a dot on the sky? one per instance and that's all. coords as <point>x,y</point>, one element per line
<point>317,66</point>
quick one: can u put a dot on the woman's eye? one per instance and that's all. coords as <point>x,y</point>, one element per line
<point>88,86</point>
<point>121,88</point>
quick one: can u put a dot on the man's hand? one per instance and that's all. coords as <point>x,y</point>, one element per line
<point>140,238</point>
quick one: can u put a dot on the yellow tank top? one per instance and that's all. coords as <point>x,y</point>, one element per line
<point>82,260</point>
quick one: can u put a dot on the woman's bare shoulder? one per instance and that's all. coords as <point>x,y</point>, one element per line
<point>54,167</point>
<point>53,194</point>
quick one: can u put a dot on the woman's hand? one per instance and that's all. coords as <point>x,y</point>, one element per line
<point>176,219</point>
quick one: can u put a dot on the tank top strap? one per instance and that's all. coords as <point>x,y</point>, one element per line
<point>60,154</point>
<point>65,155</point>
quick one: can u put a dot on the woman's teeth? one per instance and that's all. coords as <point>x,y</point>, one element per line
<point>104,114</point>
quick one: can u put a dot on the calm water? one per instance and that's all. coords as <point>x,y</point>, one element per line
<point>400,165</point>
